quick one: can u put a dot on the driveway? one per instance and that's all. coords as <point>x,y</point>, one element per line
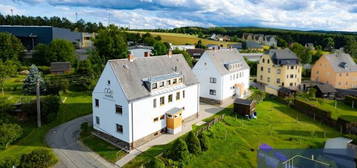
<point>71,154</point>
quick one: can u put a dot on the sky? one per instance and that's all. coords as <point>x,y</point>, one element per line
<point>335,15</point>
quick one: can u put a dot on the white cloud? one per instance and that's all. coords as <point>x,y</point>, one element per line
<point>294,14</point>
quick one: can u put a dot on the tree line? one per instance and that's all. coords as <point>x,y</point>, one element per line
<point>55,21</point>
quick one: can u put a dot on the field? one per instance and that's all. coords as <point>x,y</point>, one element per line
<point>177,38</point>
<point>342,110</point>
<point>76,104</point>
<point>232,140</point>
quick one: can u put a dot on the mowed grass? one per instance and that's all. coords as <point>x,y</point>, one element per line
<point>234,141</point>
<point>179,39</point>
<point>337,108</point>
<point>77,104</point>
<point>104,149</point>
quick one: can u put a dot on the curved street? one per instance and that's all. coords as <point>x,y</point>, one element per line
<point>63,139</point>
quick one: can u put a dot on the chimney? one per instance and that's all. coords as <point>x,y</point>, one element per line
<point>170,53</point>
<point>131,57</point>
<point>146,54</point>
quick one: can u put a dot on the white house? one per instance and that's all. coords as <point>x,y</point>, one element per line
<point>222,74</point>
<point>137,99</point>
<point>141,51</point>
<point>182,47</point>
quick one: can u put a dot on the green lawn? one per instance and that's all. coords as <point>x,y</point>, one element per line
<point>104,149</point>
<point>232,140</point>
<point>77,104</point>
<point>178,38</point>
<point>342,110</point>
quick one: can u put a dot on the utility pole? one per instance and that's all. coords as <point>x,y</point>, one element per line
<point>38,103</point>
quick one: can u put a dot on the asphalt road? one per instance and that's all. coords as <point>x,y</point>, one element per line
<point>71,154</point>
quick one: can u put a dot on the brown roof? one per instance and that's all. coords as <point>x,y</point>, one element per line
<point>60,66</point>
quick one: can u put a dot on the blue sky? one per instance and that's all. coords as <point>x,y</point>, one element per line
<point>338,15</point>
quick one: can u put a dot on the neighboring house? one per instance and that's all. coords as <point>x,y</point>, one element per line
<point>236,46</point>
<point>248,36</point>
<point>141,51</point>
<point>213,46</point>
<point>252,45</point>
<point>86,41</point>
<point>196,53</point>
<point>279,68</point>
<point>182,47</point>
<point>270,40</point>
<point>218,37</point>
<point>255,57</point>
<point>138,98</point>
<point>310,46</point>
<point>60,67</point>
<point>213,37</point>
<point>222,74</point>
<point>30,36</point>
<point>259,38</point>
<point>338,70</point>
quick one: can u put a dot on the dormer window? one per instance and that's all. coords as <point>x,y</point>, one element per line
<point>168,82</point>
<point>180,80</point>
<point>154,86</point>
<point>174,81</point>
<point>162,84</point>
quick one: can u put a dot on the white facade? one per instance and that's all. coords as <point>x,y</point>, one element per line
<point>217,86</point>
<point>139,52</point>
<point>139,117</point>
<point>182,47</point>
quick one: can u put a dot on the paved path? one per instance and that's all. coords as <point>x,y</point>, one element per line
<point>206,111</point>
<point>71,153</point>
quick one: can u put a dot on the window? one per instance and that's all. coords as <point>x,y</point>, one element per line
<point>119,128</point>
<point>108,82</point>
<point>154,103</point>
<point>174,81</point>
<point>268,79</point>
<point>291,84</point>
<point>212,80</point>
<point>317,72</point>
<point>180,80</point>
<point>183,94</point>
<point>212,92</point>
<point>261,68</point>
<point>268,70</point>
<point>261,77</point>
<point>97,121</point>
<point>154,86</point>
<point>278,71</point>
<point>168,82</point>
<point>162,117</point>
<point>118,109</point>
<point>291,75</point>
<point>237,76</point>
<point>278,80</point>
<point>156,119</point>
<point>162,84</point>
<point>162,100</point>
<point>263,60</point>
<point>268,61</point>
<point>292,67</point>
<point>177,95</point>
<point>170,98</point>
<point>96,103</point>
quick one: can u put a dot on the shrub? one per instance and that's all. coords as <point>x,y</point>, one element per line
<point>8,134</point>
<point>9,162</point>
<point>44,69</point>
<point>179,151</point>
<point>39,158</point>
<point>55,85</point>
<point>85,128</point>
<point>203,142</point>
<point>155,163</point>
<point>49,108</point>
<point>193,143</point>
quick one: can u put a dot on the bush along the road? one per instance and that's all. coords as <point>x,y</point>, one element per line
<point>203,142</point>
<point>9,162</point>
<point>155,163</point>
<point>193,143</point>
<point>8,134</point>
<point>39,158</point>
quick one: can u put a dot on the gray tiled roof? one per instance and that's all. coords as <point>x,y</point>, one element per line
<point>223,56</point>
<point>131,74</point>
<point>337,59</point>
<point>282,54</point>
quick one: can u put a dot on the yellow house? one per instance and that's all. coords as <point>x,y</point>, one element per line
<point>338,70</point>
<point>279,68</point>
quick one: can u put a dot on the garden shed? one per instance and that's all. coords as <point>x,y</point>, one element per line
<point>325,91</point>
<point>286,92</point>
<point>244,107</point>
